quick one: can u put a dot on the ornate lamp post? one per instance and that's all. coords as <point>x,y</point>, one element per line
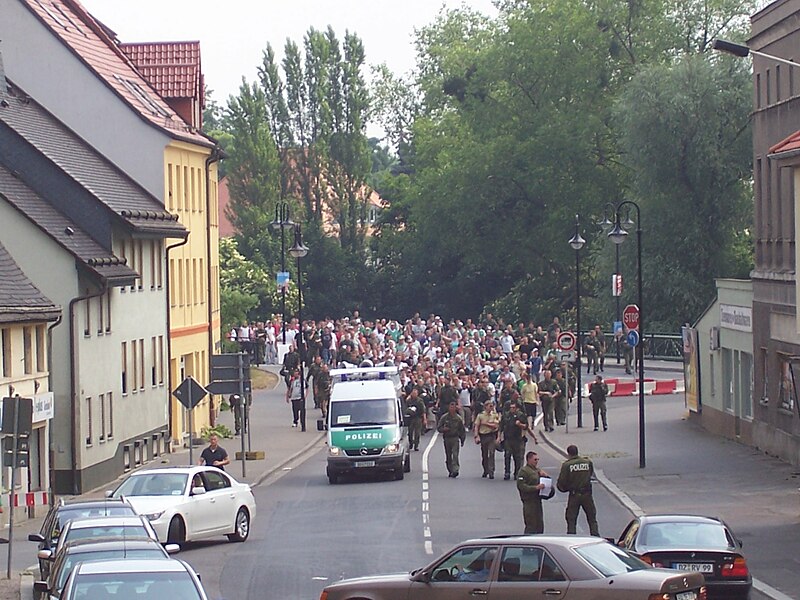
<point>281,223</point>
<point>618,236</point>
<point>577,242</point>
<point>298,251</point>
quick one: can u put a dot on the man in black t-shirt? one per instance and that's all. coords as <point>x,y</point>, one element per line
<point>215,455</point>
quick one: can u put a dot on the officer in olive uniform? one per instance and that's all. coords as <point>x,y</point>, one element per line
<point>415,416</point>
<point>513,427</point>
<point>548,394</point>
<point>312,374</point>
<point>324,384</point>
<point>451,426</point>
<point>560,401</point>
<point>576,478</point>
<point>529,485</point>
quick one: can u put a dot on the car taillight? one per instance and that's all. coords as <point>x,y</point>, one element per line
<point>738,568</point>
<point>323,595</point>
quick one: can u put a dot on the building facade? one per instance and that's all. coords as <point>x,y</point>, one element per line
<point>775,30</point>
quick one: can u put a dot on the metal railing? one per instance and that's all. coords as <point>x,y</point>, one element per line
<point>661,346</point>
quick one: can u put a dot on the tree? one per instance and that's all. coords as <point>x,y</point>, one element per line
<point>245,288</point>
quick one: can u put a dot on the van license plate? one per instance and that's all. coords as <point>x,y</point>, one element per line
<point>365,463</point>
<point>686,596</point>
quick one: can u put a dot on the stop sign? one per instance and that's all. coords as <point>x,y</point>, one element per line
<point>630,316</point>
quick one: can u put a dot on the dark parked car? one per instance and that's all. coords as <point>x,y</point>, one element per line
<point>692,543</point>
<point>531,566</point>
<point>63,512</point>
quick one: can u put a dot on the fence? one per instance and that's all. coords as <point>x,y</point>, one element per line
<point>662,346</point>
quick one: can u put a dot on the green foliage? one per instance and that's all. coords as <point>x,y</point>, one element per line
<point>246,289</point>
<point>221,431</point>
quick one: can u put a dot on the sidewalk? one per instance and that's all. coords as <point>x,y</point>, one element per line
<point>271,431</point>
<point>691,471</point>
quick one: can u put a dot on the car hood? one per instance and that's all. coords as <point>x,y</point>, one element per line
<point>394,579</point>
<point>145,505</point>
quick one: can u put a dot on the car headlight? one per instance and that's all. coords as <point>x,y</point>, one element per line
<point>334,451</point>
<point>154,516</point>
<point>391,449</point>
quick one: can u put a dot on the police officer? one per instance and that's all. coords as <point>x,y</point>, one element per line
<point>514,426</point>
<point>548,394</point>
<point>415,417</point>
<point>451,426</point>
<point>529,484</point>
<point>576,478</point>
<point>597,394</point>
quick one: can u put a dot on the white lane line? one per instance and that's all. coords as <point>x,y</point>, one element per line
<point>769,591</point>
<point>426,518</point>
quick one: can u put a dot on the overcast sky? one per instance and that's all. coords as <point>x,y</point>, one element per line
<point>233,34</point>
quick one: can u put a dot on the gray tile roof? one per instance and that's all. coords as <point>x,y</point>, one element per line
<point>20,300</point>
<point>141,211</point>
<point>63,230</point>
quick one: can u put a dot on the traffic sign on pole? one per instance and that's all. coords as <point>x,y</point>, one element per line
<point>630,316</point>
<point>566,341</point>
<point>633,338</point>
<point>616,284</point>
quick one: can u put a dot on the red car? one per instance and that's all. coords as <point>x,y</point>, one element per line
<point>692,543</point>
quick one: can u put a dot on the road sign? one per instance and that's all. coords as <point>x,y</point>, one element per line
<point>617,327</point>
<point>568,356</point>
<point>566,341</point>
<point>21,448</point>
<point>616,284</point>
<point>24,420</point>
<point>190,393</point>
<point>228,373</point>
<point>630,316</point>
<point>282,279</point>
<point>228,386</point>
<point>633,338</point>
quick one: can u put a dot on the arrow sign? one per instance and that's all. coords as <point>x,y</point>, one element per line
<point>190,393</point>
<point>633,338</point>
<point>630,316</point>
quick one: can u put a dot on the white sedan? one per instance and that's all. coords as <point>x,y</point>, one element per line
<point>190,503</point>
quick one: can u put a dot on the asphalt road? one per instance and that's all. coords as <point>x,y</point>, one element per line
<point>309,533</point>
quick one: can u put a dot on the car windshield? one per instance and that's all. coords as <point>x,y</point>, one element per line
<point>153,484</point>
<point>135,586</point>
<point>67,514</point>
<point>362,412</point>
<point>684,534</point>
<point>609,560</point>
<point>74,558</point>
<point>107,531</point>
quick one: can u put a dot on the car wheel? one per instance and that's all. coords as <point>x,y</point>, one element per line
<point>241,527</point>
<point>333,479</point>
<point>407,464</point>
<point>176,534</point>
<point>398,475</point>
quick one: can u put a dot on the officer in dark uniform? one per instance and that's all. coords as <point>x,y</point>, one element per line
<point>513,427</point>
<point>576,478</point>
<point>451,426</point>
<point>548,393</point>
<point>598,391</point>
<point>529,485</point>
<point>415,417</point>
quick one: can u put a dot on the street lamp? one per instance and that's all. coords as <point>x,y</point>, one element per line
<point>577,242</point>
<point>742,51</point>
<point>607,224</point>
<point>298,251</point>
<point>281,223</point>
<point>618,236</point>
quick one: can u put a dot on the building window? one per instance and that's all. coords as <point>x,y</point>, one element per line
<point>141,364</point>
<point>138,247</point>
<point>765,374</point>
<point>186,196</point>
<point>713,373</point>
<point>102,403</point>
<point>135,358</point>
<point>767,90</point>
<point>88,404</point>
<point>727,379</point>
<point>787,391</point>
<point>5,334</point>
<point>110,413</point>
<point>170,203</point>
<point>172,291</point>
<point>101,312</point>
<point>777,83</point>
<point>41,349</point>
<point>27,350</point>
<point>193,178</point>
<point>108,311</point>
<point>124,368</point>
<point>154,364</point>
<point>746,384</point>
<point>161,360</point>
<point>758,89</point>
<point>87,316</point>
<point>153,255</point>
<point>181,285</point>
<point>159,265</point>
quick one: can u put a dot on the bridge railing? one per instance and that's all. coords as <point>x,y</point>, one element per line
<point>661,346</point>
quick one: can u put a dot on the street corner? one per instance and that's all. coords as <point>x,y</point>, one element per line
<point>594,444</point>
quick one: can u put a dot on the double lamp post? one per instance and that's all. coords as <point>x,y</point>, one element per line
<point>618,235</point>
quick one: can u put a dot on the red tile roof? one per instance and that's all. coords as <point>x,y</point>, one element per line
<point>93,44</point>
<point>790,143</point>
<point>173,68</point>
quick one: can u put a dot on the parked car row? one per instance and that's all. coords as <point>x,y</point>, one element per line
<point>120,547</point>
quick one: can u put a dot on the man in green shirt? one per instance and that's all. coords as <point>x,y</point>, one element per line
<point>514,425</point>
<point>529,484</point>
<point>415,417</point>
<point>576,478</point>
<point>451,426</point>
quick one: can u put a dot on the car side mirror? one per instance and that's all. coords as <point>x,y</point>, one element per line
<point>45,554</point>
<point>109,493</point>
<point>35,537</point>
<point>172,548</point>
<point>420,576</point>
<point>198,491</point>
<point>41,587</point>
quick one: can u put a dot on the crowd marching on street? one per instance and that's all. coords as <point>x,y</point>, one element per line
<point>487,379</point>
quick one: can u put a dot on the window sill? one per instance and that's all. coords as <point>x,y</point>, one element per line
<point>783,410</point>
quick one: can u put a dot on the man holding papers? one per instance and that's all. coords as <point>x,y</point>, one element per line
<point>530,486</point>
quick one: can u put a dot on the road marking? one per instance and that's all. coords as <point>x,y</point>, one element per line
<point>426,530</point>
<point>769,591</point>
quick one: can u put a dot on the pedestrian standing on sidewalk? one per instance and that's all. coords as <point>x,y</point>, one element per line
<point>529,485</point>
<point>214,455</point>
<point>487,426</point>
<point>598,391</point>
<point>451,426</point>
<point>294,394</point>
<point>513,428</point>
<point>576,478</point>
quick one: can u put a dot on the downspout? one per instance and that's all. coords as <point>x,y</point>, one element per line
<point>73,391</point>
<point>170,382</point>
<point>216,155</point>
<point>50,452</point>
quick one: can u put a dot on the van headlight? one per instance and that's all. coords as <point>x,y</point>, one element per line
<point>334,451</point>
<point>391,449</point>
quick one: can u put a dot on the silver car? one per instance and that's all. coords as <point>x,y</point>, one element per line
<point>531,566</point>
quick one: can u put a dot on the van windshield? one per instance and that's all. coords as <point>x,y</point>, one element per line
<point>348,413</point>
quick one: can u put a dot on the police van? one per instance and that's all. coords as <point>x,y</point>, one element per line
<point>366,429</point>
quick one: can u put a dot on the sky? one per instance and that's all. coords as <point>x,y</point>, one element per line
<point>233,34</point>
